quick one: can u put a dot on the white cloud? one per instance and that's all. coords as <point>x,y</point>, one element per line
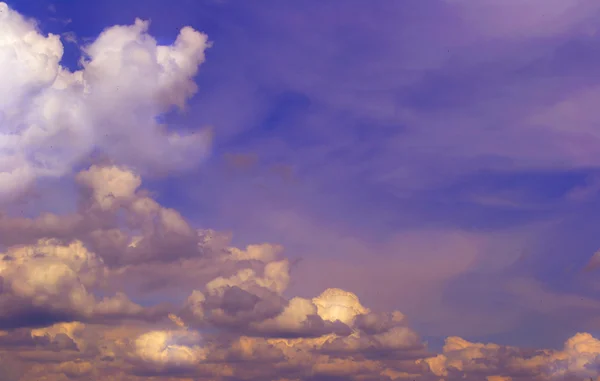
<point>51,118</point>
<point>336,304</point>
<point>109,184</point>
<point>169,348</point>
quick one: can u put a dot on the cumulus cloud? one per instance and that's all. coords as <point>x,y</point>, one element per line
<point>109,193</point>
<point>335,304</point>
<point>52,118</point>
<point>50,282</point>
<point>250,295</point>
<point>169,349</point>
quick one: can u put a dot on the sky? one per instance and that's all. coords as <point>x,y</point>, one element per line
<point>308,190</point>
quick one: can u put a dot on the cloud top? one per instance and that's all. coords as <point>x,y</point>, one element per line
<point>52,118</point>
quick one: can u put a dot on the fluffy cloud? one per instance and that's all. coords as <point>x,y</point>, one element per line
<point>250,295</point>
<point>169,349</point>
<point>149,232</point>
<point>52,118</point>
<point>335,304</point>
<point>50,282</point>
<point>579,358</point>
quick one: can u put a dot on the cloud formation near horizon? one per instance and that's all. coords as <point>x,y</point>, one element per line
<point>79,291</point>
<point>61,313</point>
<point>236,316</point>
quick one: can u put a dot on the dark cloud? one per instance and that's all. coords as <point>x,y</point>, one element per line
<point>237,307</point>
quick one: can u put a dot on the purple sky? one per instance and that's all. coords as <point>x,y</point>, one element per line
<point>436,157</point>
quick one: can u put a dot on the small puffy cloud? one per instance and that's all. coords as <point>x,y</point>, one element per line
<point>378,322</point>
<point>295,315</point>
<point>389,342</point>
<point>168,350</point>
<point>299,318</point>
<point>248,296</point>
<point>336,304</point>
<point>264,252</point>
<point>275,278</point>
<point>52,118</point>
<point>109,185</point>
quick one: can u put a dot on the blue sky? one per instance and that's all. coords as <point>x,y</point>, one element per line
<point>435,157</point>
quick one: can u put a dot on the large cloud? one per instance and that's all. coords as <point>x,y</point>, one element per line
<point>51,118</point>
